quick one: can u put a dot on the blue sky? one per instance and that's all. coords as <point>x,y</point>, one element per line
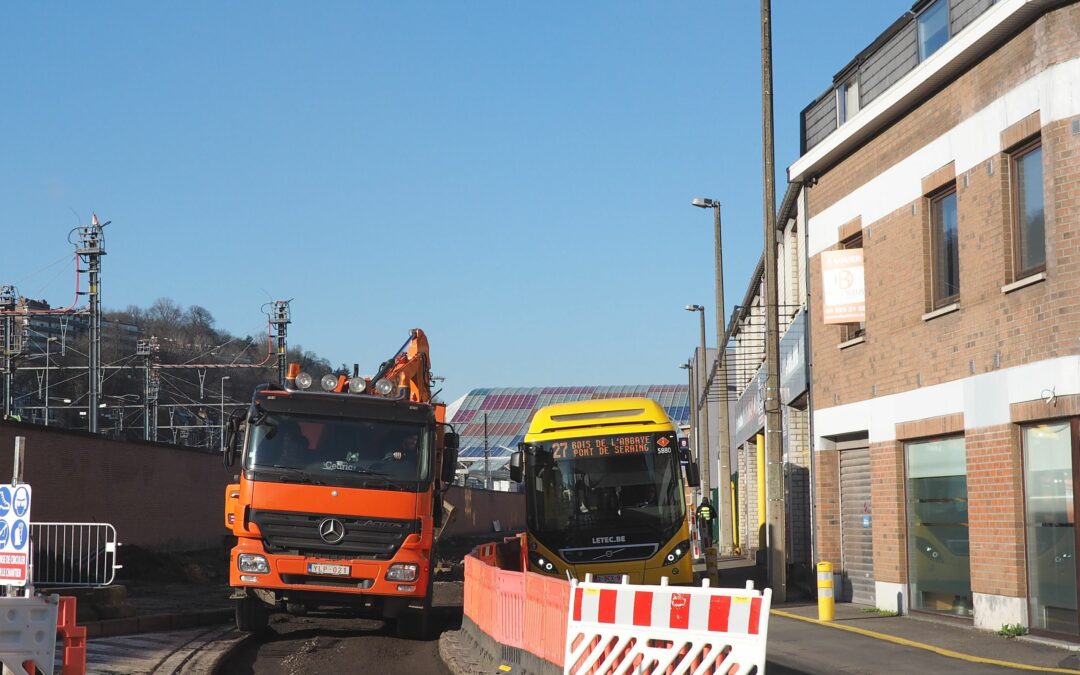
<point>514,178</point>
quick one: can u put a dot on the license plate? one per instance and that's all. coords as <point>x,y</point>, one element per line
<point>331,570</point>
<point>608,578</point>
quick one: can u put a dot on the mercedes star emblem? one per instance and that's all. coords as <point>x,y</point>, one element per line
<point>332,530</point>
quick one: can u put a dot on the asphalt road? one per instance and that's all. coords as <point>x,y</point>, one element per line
<point>333,644</point>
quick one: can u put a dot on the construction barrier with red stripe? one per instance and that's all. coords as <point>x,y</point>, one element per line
<point>618,628</point>
<point>543,624</point>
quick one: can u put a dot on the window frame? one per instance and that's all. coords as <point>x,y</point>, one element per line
<point>843,114</point>
<point>1018,219</point>
<point>937,301</point>
<point>918,27</point>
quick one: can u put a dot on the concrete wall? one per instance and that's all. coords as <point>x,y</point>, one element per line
<point>162,496</point>
<point>156,495</point>
<point>474,511</point>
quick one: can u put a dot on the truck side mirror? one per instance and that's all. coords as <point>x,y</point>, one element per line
<point>450,456</point>
<point>516,466</point>
<point>232,439</point>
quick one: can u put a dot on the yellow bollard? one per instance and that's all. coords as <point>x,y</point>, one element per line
<point>826,602</point>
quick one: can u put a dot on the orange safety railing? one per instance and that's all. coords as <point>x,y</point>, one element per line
<point>502,603</point>
<point>74,637</point>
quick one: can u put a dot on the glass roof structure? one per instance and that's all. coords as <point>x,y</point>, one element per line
<point>509,411</point>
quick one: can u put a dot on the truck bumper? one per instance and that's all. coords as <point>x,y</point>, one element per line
<point>356,584</point>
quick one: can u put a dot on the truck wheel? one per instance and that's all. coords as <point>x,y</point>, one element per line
<point>252,616</point>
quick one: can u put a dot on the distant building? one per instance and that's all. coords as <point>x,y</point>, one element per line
<point>508,411</point>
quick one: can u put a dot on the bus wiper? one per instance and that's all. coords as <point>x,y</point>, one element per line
<point>294,475</point>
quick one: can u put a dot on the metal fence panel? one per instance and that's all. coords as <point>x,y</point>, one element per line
<point>74,554</point>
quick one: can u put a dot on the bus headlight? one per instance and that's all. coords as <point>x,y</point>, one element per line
<point>543,564</point>
<point>254,563</point>
<point>403,572</point>
<point>676,554</point>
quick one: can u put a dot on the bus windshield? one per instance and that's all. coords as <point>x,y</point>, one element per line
<point>626,484</point>
<point>342,452</point>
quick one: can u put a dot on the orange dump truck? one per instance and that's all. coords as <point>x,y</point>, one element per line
<point>339,499</point>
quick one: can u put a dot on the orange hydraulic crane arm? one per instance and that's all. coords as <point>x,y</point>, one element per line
<point>410,368</point>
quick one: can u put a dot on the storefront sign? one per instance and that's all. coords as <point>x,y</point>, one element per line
<point>750,408</point>
<point>793,360</point>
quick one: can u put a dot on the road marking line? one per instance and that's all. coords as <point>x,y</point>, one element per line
<point>925,647</point>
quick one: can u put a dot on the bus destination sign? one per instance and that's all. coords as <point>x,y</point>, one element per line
<point>610,446</point>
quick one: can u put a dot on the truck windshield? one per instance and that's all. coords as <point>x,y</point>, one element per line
<point>333,451</point>
<point>622,484</point>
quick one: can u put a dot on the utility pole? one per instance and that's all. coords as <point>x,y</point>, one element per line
<point>280,319</point>
<point>90,251</point>
<point>7,306</point>
<point>487,453</point>
<point>148,350</point>
<point>776,522</point>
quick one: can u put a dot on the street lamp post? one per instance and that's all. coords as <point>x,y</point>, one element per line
<point>221,418</point>
<point>727,541</point>
<point>706,445</point>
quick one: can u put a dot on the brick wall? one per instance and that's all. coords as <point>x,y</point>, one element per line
<point>890,511</point>
<point>796,430</point>
<point>827,497</point>
<point>749,534</point>
<point>996,511</point>
<point>992,329</point>
<point>156,495</point>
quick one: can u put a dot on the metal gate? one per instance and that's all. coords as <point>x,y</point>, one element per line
<point>856,539</point>
<point>74,554</point>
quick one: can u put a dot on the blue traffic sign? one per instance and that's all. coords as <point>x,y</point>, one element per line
<point>5,500</point>
<point>20,503</point>
<point>19,535</point>
<point>3,533</point>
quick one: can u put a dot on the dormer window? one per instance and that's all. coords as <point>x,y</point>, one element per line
<point>933,28</point>
<point>847,100</point>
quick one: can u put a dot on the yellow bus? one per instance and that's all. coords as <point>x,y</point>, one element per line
<point>604,492</point>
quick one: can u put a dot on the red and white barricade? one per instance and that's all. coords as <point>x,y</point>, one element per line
<point>619,629</point>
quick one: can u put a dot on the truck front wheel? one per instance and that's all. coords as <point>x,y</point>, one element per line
<point>252,616</point>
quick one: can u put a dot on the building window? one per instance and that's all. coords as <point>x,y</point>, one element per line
<point>945,247</point>
<point>1029,229</point>
<point>938,556</point>
<point>1050,521</point>
<point>847,100</point>
<point>850,331</point>
<point>933,28</point>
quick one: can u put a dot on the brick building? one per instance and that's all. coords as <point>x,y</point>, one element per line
<point>946,424</point>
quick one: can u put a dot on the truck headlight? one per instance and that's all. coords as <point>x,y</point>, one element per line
<point>403,572</point>
<point>254,563</point>
<point>676,554</point>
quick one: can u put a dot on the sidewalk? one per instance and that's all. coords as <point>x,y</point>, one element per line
<point>857,640</point>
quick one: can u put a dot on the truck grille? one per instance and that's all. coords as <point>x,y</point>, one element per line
<point>364,538</point>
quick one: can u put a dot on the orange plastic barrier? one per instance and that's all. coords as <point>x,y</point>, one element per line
<point>503,603</point>
<point>510,608</point>
<point>74,637</point>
